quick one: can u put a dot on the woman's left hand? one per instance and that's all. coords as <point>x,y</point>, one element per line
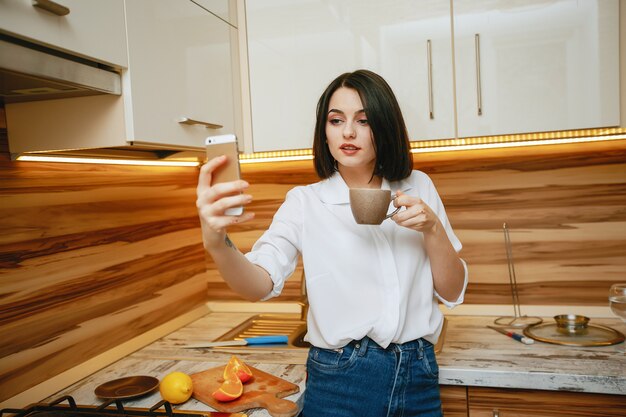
<point>417,215</point>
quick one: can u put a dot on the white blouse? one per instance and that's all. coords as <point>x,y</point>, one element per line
<point>361,280</point>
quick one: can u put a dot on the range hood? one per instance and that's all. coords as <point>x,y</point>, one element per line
<point>61,105</point>
<point>31,72</point>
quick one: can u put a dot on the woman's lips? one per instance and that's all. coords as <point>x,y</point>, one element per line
<point>349,149</point>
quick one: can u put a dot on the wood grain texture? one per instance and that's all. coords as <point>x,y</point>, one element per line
<point>533,403</point>
<point>565,206</point>
<point>90,257</point>
<point>453,401</point>
<point>264,390</point>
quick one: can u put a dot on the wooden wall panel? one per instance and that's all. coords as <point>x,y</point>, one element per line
<point>90,257</point>
<point>565,206</point>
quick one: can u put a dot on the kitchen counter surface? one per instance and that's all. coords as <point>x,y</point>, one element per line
<point>472,355</point>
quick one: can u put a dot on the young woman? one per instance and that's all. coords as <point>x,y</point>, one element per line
<point>373,290</point>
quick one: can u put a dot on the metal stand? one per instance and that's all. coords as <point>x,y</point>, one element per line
<point>517,320</point>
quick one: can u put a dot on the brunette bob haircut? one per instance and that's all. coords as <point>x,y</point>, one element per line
<point>394,160</point>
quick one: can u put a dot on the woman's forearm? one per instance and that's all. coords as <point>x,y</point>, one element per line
<point>245,278</point>
<point>447,268</point>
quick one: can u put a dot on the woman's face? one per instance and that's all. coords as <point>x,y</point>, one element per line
<point>348,133</point>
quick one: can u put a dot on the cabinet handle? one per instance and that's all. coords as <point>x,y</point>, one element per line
<point>188,121</point>
<point>478,86</point>
<point>429,59</point>
<point>496,413</point>
<point>52,7</point>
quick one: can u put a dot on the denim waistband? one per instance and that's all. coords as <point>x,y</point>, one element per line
<point>366,343</point>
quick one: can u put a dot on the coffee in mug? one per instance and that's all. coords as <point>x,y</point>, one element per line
<point>369,205</point>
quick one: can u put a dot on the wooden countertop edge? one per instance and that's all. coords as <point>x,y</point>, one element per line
<point>75,374</point>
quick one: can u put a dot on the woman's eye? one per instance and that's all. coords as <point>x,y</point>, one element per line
<point>362,122</point>
<point>334,121</point>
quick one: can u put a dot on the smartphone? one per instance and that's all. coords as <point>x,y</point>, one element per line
<point>229,171</point>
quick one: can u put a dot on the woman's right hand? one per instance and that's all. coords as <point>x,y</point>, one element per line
<point>213,200</point>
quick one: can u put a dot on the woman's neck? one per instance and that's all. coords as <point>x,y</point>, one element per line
<point>360,177</point>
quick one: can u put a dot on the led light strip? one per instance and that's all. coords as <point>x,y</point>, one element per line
<point>39,158</point>
<point>443,145</point>
<point>535,142</point>
<point>563,136</point>
<point>251,160</point>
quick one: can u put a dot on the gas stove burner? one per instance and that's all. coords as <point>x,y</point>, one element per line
<point>111,408</point>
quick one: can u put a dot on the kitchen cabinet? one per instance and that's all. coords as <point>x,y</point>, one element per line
<point>296,48</point>
<point>453,400</point>
<point>92,29</point>
<point>179,67</point>
<point>543,65</point>
<point>494,402</point>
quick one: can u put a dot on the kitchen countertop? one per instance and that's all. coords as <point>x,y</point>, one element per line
<point>472,355</point>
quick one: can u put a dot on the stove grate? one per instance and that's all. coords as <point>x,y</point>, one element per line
<point>111,408</point>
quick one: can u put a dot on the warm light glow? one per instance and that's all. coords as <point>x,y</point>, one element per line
<point>249,160</point>
<point>464,147</point>
<point>522,139</point>
<point>276,156</point>
<point>38,158</point>
<point>418,146</point>
<point>461,144</point>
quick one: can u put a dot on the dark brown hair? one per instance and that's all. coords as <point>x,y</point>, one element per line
<point>394,160</point>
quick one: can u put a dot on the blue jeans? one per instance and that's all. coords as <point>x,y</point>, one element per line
<point>362,379</point>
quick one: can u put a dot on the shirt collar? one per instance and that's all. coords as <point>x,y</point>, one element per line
<point>334,189</point>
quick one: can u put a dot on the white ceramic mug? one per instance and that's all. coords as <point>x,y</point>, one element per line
<point>369,205</point>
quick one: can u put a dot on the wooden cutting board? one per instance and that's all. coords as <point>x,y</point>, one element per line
<point>262,391</point>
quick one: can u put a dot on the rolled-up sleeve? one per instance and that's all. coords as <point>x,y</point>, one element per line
<point>459,300</point>
<point>278,249</point>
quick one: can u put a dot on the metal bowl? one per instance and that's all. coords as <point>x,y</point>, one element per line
<point>571,324</point>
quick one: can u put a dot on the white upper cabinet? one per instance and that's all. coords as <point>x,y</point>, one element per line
<point>416,60</point>
<point>543,65</point>
<point>297,47</point>
<point>92,29</point>
<point>179,67</point>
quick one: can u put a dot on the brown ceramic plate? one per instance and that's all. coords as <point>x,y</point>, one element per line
<point>129,387</point>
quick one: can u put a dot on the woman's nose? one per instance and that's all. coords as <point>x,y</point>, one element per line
<point>348,130</point>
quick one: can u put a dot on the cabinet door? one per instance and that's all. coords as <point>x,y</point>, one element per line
<point>544,65</point>
<point>93,29</point>
<point>490,402</point>
<point>415,57</point>
<point>179,66</point>
<point>297,47</point>
<point>453,400</point>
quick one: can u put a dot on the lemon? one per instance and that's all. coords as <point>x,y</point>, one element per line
<point>176,387</point>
